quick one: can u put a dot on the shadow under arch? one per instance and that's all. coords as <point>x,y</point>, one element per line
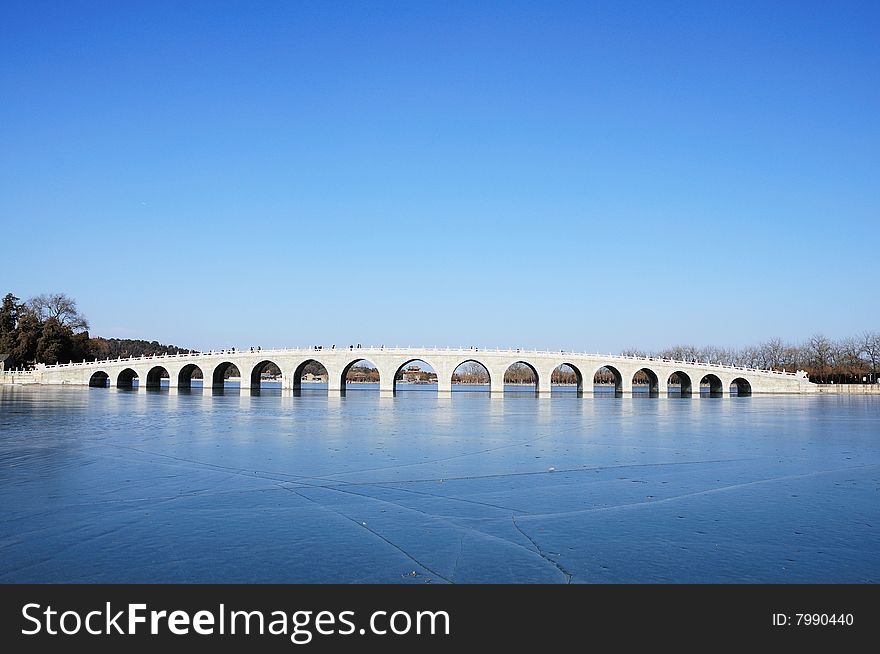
<point>422,377</point>
<point>740,387</point>
<point>155,377</point>
<point>127,378</point>
<point>521,373</point>
<point>646,379</point>
<point>189,373</point>
<point>265,371</point>
<point>716,388</point>
<point>354,375</point>
<point>222,372</point>
<point>560,378</point>
<point>309,366</point>
<point>99,379</point>
<point>605,376</point>
<point>471,375</point>
<point>683,381</point>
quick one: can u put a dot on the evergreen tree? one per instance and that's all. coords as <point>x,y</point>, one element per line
<point>53,345</point>
<point>80,347</point>
<point>8,323</point>
<point>24,349</point>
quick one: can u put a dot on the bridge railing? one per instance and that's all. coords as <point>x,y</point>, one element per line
<point>410,350</point>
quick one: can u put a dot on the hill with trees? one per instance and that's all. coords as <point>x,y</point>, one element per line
<point>49,328</point>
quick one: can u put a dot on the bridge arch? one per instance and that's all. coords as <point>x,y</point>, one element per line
<point>223,371</point>
<point>187,374</point>
<point>155,376</point>
<point>471,375</point>
<point>352,375</point>
<point>400,372</point>
<point>99,379</point>
<point>645,377</point>
<point>741,387</point>
<point>605,375</point>
<point>716,388</point>
<point>126,378</point>
<point>521,373</point>
<point>683,381</point>
<point>561,377</point>
<point>312,366</point>
<point>264,367</point>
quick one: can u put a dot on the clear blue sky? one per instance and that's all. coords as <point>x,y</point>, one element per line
<point>563,175</point>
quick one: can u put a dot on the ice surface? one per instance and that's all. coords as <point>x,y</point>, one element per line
<point>105,485</point>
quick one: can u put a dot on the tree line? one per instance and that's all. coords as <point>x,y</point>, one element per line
<point>49,328</point>
<point>849,360</point>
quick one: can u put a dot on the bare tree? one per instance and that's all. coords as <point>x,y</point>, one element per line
<point>795,358</point>
<point>604,375</point>
<point>563,374</point>
<point>750,357</point>
<point>470,372</point>
<point>771,354</point>
<point>60,307</point>
<point>680,353</point>
<point>849,359</point>
<point>719,355</point>
<point>519,373</point>
<point>820,354</point>
<point>871,348</point>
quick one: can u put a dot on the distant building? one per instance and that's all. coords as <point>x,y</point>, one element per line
<point>413,374</point>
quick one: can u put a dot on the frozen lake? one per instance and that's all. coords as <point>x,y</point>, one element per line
<point>106,485</point>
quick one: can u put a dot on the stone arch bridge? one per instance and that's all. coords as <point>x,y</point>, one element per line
<point>659,375</point>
